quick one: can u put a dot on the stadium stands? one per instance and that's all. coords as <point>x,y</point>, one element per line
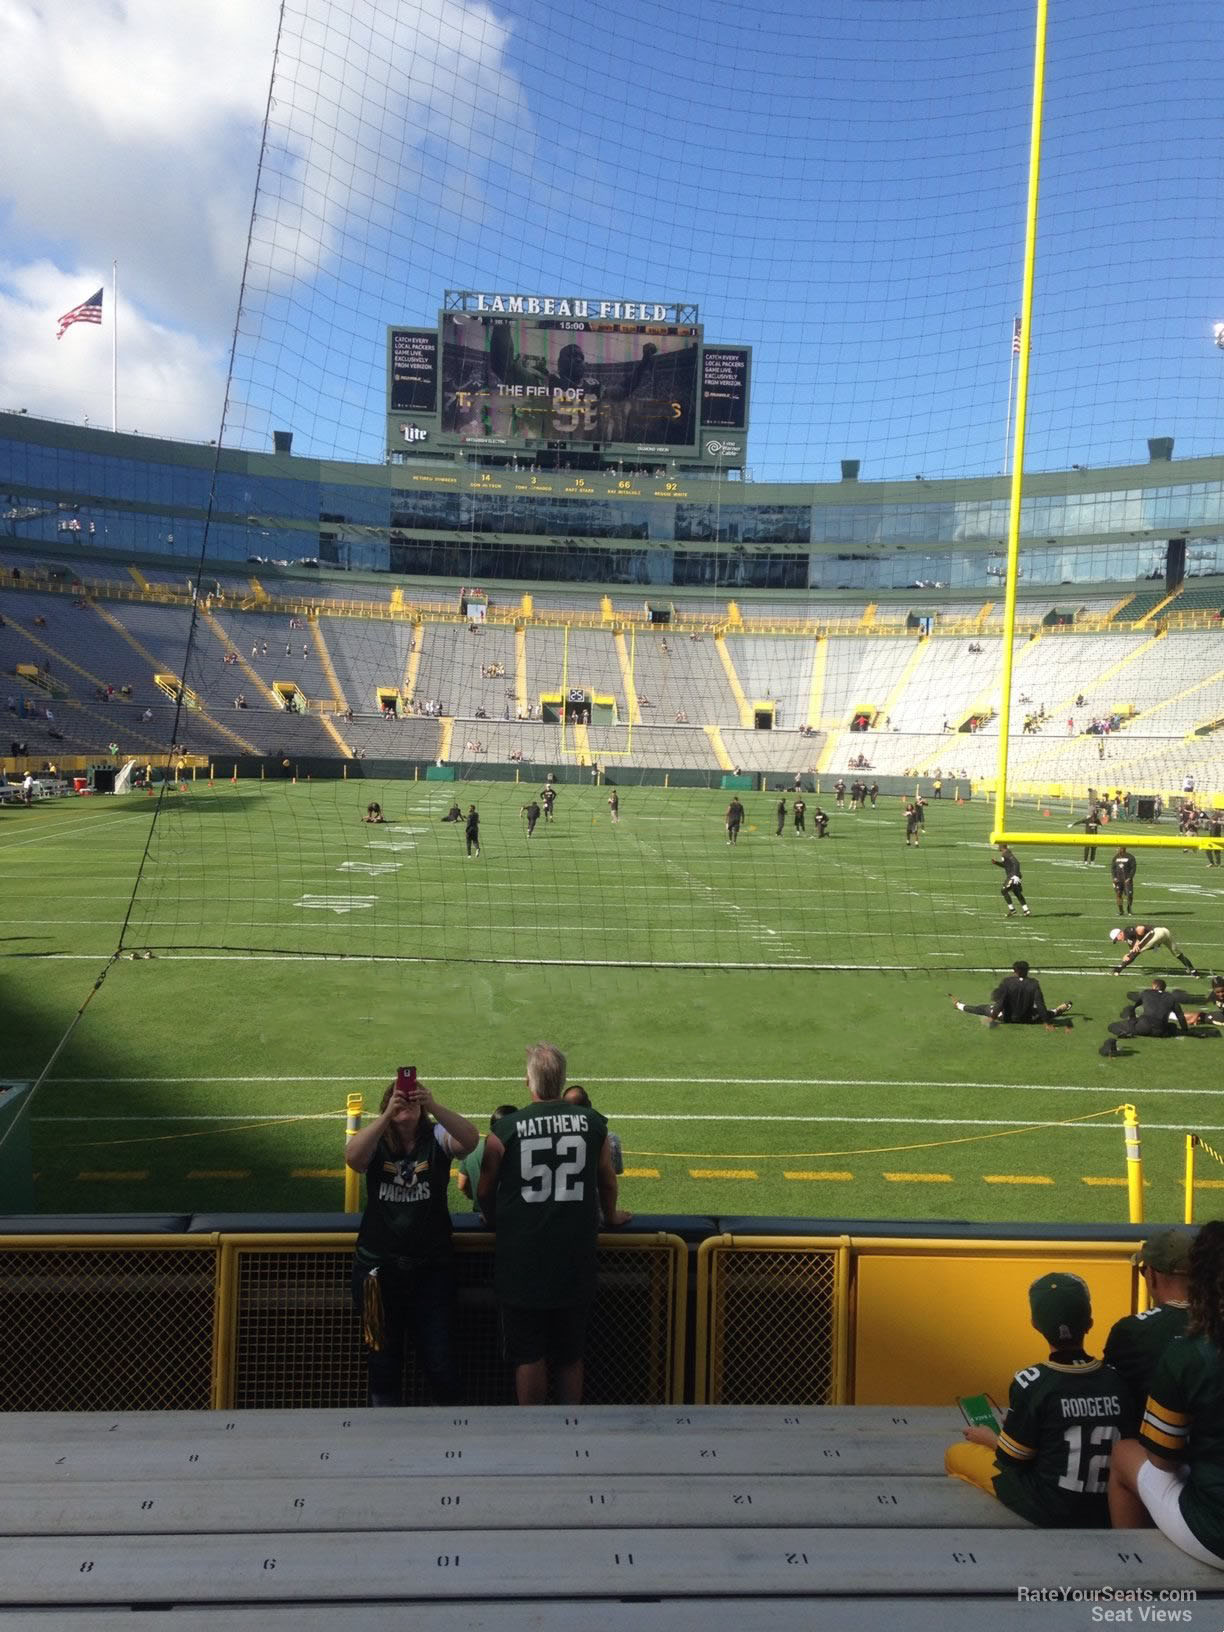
<point>675,684</point>
<point>742,1518</point>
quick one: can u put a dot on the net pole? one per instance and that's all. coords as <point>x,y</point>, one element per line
<point>564,687</point>
<point>631,699</point>
<point>1017,475</point>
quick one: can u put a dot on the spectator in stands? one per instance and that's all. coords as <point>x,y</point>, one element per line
<point>1016,1001</point>
<point>1136,1342</point>
<point>547,1229</point>
<point>403,1284</point>
<point>468,1175</point>
<point>1172,1475</point>
<point>1031,1464</point>
<point>576,1094</point>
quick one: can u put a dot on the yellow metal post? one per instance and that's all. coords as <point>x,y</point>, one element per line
<point>1021,421</point>
<point>1134,1164</point>
<point>352,1181</point>
<point>1191,1143</point>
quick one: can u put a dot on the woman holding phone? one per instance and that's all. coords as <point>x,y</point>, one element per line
<point>403,1287</point>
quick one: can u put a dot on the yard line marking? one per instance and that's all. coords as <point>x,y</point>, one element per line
<point>919,1178</point>
<point>70,826</point>
<point>721,1173</point>
<point>1112,1184</point>
<point>317,1173</point>
<point>109,1177</point>
<point>1209,1184</point>
<point>823,1178</point>
<point>1016,1178</point>
<point>219,1173</point>
<point>640,1173</point>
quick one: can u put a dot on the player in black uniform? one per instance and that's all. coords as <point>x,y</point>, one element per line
<point>1013,889</point>
<point>734,819</point>
<point>820,822</point>
<point>471,831</point>
<point>874,793</point>
<point>839,789</point>
<point>781,816</point>
<point>1215,830</point>
<point>1050,1459</point>
<point>548,799</point>
<point>1136,1342</point>
<point>1091,825</point>
<point>614,806</point>
<point>454,814</point>
<point>1016,1001</point>
<point>913,825</point>
<point>403,1283</point>
<point>799,813</point>
<point>1172,1475</point>
<point>1122,871</point>
<point>532,812</point>
<point>1155,1012</point>
<point>374,813</point>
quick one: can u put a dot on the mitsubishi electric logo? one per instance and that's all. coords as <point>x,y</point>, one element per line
<point>413,433</point>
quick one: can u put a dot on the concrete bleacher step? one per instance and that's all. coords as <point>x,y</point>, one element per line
<point>333,1455</point>
<point>653,1561</point>
<point>861,1613</point>
<point>576,1501</point>
<point>451,1422</point>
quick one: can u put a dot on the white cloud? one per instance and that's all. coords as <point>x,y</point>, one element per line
<point>170,383</point>
<point>138,126</point>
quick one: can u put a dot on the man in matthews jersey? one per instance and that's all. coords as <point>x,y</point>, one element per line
<point>546,1174</point>
<point>1050,1460</point>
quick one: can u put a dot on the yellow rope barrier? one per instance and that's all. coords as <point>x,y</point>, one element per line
<point>878,1150</point>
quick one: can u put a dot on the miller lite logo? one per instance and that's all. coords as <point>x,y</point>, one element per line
<point>413,433</point>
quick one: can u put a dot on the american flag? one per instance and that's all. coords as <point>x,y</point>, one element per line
<point>89,311</point>
<point>1015,337</point>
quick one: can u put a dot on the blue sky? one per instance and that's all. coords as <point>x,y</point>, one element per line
<point>840,185</point>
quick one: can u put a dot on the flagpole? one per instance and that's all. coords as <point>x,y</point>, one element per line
<point>115,347</point>
<point>1011,397</point>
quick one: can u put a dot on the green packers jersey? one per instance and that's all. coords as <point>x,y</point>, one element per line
<point>1053,1456</point>
<point>1184,1422</point>
<point>547,1216</point>
<point>1136,1343</point>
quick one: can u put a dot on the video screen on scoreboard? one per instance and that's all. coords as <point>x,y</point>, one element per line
<point>724,388</point>
<point>414,371</point>
<point>520,380</point>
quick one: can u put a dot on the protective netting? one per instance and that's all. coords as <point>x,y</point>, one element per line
<point>841,191</point>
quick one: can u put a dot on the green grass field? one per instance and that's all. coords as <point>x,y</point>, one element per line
<point>767,1027</point>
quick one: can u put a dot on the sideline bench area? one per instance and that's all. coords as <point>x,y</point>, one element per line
<point>664,1519</point>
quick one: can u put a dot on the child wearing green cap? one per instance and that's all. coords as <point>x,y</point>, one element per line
<point>1050,1461</point>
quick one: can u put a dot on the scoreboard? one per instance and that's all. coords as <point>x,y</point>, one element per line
<point>526,383</point>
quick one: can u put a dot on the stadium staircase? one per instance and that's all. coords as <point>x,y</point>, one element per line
<point>495,1519</point>
<point>724,759</point>
<point>155,666</point>
<point>737,690</point>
